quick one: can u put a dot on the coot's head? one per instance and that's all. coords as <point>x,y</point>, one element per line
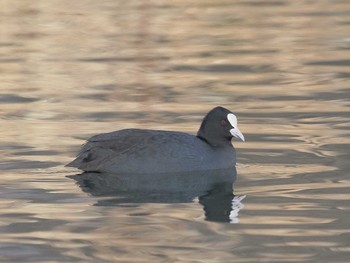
<point>218,127</point>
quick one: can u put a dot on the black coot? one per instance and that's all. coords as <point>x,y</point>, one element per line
<point>153,151</point>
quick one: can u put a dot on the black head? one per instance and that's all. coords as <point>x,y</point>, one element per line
<point>218,127</point>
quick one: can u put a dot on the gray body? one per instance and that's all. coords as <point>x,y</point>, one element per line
<point>152,151</point>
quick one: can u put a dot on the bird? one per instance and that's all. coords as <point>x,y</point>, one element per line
<point>145,151</point>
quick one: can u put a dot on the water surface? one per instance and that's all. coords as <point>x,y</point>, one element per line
<point>69,70</point>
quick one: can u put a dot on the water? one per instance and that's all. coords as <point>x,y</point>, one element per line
<point>73,69</point>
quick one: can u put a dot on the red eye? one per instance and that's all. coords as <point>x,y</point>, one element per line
<point>223,122</point>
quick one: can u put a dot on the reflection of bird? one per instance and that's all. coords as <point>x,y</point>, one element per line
<point>213,189</point>
<point>221,205</point>
<point>177,185</point>
<point>153,151</point>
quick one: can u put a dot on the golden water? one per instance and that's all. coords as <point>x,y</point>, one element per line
<point>70,69</point>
